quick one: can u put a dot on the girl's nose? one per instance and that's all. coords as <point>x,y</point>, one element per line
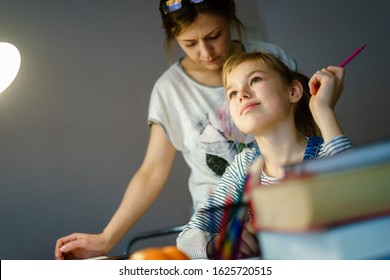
<point>244,94</point>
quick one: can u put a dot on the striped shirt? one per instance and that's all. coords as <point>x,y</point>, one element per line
<point>208,220</point>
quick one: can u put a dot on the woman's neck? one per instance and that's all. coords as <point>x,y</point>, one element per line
<point>211,78</point>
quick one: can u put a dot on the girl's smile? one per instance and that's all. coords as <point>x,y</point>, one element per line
<point>248,107</point>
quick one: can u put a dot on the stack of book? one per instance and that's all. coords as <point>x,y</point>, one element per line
<point>330,208</point>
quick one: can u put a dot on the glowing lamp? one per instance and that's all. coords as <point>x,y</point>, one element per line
<point>9,64</point>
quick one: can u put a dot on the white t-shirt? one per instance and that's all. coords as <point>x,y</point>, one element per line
<point>197,122</point>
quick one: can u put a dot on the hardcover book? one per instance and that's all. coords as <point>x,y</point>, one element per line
<point>366,239</point>
<point>331,208</point>
<point>320,201</point>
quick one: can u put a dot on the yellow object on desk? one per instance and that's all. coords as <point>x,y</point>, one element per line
<point>159,253</point>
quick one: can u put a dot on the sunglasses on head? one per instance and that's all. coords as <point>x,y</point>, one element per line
<point>171,6</point>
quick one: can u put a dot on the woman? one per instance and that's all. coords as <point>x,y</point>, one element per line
<point>188,112</point>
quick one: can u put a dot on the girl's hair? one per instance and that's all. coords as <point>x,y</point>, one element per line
<point>304,120</point>
<point>175,22</point>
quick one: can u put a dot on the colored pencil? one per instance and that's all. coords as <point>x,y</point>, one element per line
<point>352,56</point>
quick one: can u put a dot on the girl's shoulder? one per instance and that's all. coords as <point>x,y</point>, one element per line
<point>245,158</point>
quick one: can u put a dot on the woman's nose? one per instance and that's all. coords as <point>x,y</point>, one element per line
<point>206,49</point>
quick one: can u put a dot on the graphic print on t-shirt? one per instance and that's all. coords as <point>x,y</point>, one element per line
<point>219,150</point>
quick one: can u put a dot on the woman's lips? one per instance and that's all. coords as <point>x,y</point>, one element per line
<point>212,61</point>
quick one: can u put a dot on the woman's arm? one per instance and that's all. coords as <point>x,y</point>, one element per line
<point>143,189</point>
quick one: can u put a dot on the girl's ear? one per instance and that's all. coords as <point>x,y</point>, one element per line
<point>296,91</point>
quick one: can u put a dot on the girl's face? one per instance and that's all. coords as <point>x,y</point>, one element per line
<point>259,101</point>
<point>207,41</point>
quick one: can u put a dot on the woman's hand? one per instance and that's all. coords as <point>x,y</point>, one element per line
<point>81,246</point>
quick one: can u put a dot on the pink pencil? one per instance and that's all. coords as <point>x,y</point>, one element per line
<point>345,62</point>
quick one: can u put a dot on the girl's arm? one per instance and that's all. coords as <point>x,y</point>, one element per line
<point>202,234</point>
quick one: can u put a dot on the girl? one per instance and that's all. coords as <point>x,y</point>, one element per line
<point>284,111</point>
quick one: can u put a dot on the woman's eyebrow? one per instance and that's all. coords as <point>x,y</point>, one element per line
<point>208,34</point>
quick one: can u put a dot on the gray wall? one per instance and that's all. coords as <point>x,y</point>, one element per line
<point>73,125</point>
<point>320,33</point>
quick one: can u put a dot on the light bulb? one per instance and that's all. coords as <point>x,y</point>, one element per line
<point>9,64</point>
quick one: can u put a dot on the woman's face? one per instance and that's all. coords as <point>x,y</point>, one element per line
<point>258,99</point>
<point>207,41</point>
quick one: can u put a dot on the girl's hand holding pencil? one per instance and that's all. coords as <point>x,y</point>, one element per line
<point>221,248</point>
<point>238,239</point>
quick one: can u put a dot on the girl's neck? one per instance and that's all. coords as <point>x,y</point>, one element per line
<point>278,151</point>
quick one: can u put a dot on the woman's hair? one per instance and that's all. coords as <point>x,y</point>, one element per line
<point>174,22</point>
<point>304,120</point>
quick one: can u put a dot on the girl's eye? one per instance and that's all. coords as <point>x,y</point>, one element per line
<point>232,94</point>
<point>255,80</point>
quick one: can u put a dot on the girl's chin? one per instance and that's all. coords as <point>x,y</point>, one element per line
<point>246,130</point>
